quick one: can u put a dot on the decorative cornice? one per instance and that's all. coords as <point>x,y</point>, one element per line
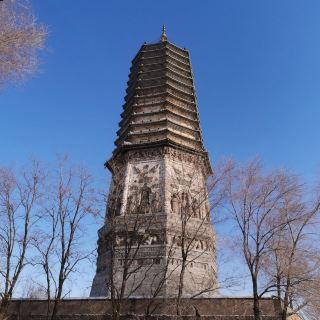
<point>170,150</point>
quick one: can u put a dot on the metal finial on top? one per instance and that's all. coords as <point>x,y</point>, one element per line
<point>163,35</point>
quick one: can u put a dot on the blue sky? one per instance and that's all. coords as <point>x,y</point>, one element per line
<point>256,67</point>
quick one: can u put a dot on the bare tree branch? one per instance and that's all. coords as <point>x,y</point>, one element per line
<point>21,37</point>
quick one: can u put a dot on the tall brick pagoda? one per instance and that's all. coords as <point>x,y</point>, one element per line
<point>158,220</point>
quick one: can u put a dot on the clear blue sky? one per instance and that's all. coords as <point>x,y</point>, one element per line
<point>256,67</point>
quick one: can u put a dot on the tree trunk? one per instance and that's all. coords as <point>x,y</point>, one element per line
<point>4,306</point>
<point>284,313</point>
<point>256,304</point>
<point>55,308</point>
<point>116,306</point>
<point>181,285</point>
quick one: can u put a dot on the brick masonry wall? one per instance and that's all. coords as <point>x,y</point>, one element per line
<point>98,309</point>
<point>132,317</point>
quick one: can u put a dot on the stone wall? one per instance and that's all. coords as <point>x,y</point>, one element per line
<point>133,317</point>
<point>98,309</point>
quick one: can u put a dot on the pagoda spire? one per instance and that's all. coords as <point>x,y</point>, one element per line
<point>164,34</point>
<point>160,105</point>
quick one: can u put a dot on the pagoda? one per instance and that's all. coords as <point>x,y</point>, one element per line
<point>157,240</point>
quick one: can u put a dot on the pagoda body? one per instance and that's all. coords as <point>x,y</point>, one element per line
<point>158,192</point>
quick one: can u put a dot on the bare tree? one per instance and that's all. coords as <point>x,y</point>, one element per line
<point>185,242</point>
<point>159,279</point>
<point>311,294</point>
<point>71,200</point>
<point>128,235</point>
<point>126,240</point>
<point>19,197</point>
<point>193,238</point>
<point>254,201</point>
<point>292,264</point>
<point>122,240</point>
<point>34,291</point>
<point>187,238</point>
<point>21,37</point>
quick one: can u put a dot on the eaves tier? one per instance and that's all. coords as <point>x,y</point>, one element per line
<point>160,105</point>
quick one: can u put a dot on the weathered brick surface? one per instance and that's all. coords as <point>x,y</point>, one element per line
<point>130,317</point>
<point>87,309</point>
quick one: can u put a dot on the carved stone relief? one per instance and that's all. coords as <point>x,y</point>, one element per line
<point>145,196</point>
<point>196,244</point>
<point>156,202</point>
<point>184,203</point>
<point>196,208</point>
<point>175,203</point>
<point>173,154</point>
<point>116,193</point>
<point>144,193</point>
<point>132,203</point>
<point>150,239</point>
<point>186,197</point>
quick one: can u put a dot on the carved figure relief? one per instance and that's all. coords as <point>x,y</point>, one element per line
<point>120,241</point>
<point>188,191</point>
<point>144,189</point>
<point>148,240</point>
<point>145,174</point>
<point>176,240</point>
<point>196,208</point>
<point>145,193</point>
<point>156,202</point>
<point>116,192</point>
<point>119,203</point>
<point>132,203</point>
<point>185,203</point>
<point>183,177</point>
<point>152,239</point>
<point>111,204</point>
<point>115,200</point>
<point>205,245</point>
<point>175,203</point>
<point>200,245</point>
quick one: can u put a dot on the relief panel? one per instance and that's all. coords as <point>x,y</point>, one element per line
<point>144,192</point>
<point>187,189</point>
